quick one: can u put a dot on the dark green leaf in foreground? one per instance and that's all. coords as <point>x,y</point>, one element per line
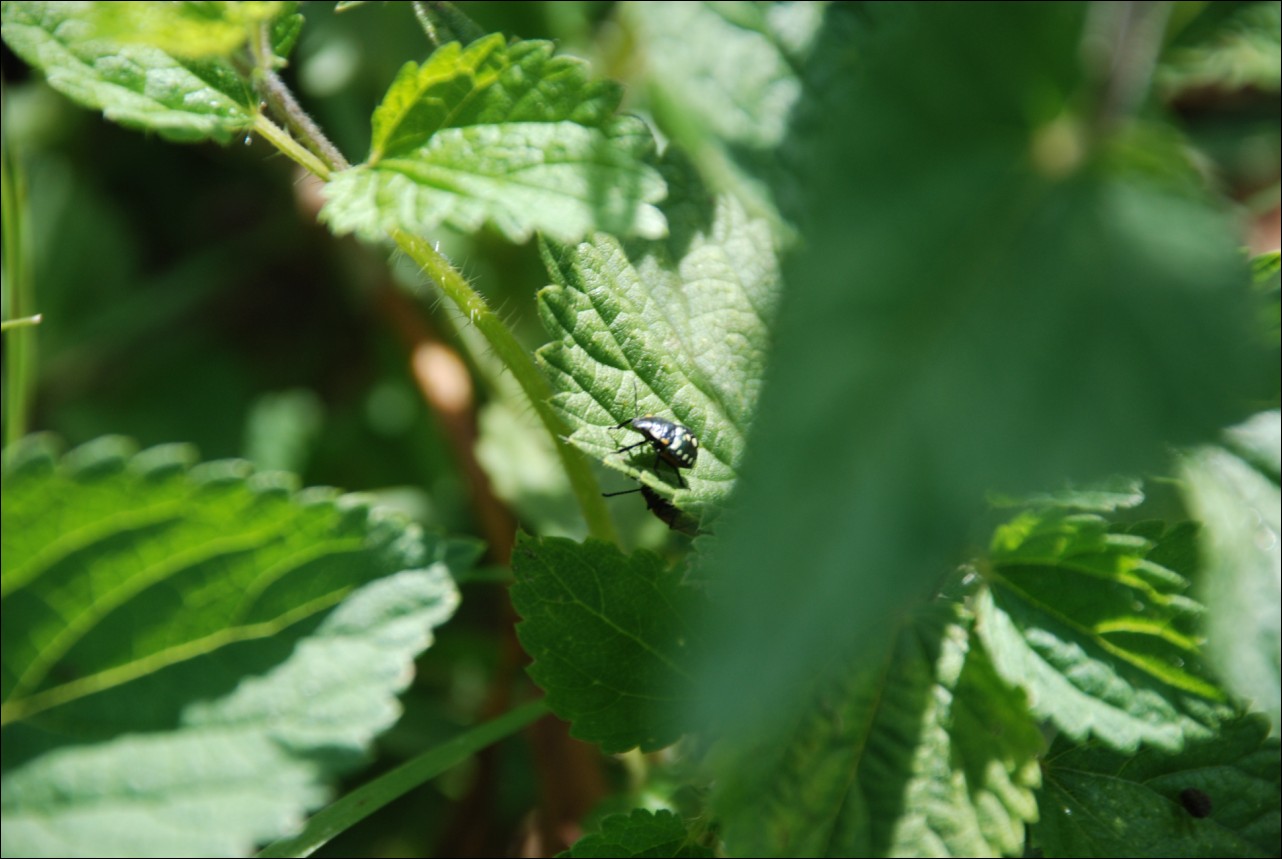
<point>505,134</point>
<point>137,85</point>
<point>1098,802</point>
<point>994,293</point>
<point>654,834</point>
<point>924,754</point>
<point>1233,490</point>
<point>610,636</point>
<point>678,329</point>
<point>193,643</point>
<point>1100,635</point>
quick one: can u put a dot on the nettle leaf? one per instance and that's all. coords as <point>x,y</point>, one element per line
<point>724,79</point>
<point>1217,797</point>
<point>975,307</point>
<point>1233,491</point>
<point>653,834</point>
<point>610,637</point>
<point>185,29</point>
<point>924,754</point>
<point>505,134</point>
<point>136,85</point>
<point>1096,631</point>
<point>678,329</point>
<point>192,652</point>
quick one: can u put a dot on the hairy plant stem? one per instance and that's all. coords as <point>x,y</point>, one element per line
<point>321,158</point>
<point>518,361</point>
<point>280,99</point>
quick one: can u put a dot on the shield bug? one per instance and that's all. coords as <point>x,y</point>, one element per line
<point>672,442</point>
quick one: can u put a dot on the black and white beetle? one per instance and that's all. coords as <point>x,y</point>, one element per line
<point>672,442</point>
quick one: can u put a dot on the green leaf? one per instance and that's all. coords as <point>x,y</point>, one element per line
<point>1097,802</point>
<point>193,644</point>
<point>724,79</point>
<point>642,833</point>
<point>350,809</point>
<point>1231,48</point>
<point>137,85</point>
<point>1106,496</point>
<point>1233,491</point>
<point>987,298</point>
<point>926,754</point>
<point>1100,636</point>
<point>610,637</point>
<point>505,134</point>
<point>187,30</point>
<point>678,329</point>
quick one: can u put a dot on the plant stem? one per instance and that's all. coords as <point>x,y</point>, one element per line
<point>20,345</point>
<point>518,361</point>
<point>283,104</point>
<point>321,158</point>
<point>370,797</point>
<point>279,137</point>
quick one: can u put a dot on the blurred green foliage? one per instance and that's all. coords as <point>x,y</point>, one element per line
<point>959,251</point>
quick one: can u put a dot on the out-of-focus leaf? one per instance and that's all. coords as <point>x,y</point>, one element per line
<point>505,134</point>
<point>1233,491</point>
<point>1240,49</point>
<point>137,85</point>
<point>927,753</point>
<point>610,637</point>
<point>1098,802</point>
<point>187,30</point>
<point>654,834</point>
<point>989,297</point>
<point>724,79</point>
<point>193,644</point>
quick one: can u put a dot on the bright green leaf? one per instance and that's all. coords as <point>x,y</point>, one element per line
<point>654,834</point>
<point>610,636</point>
<point>187,30</point>
<point>1098,802</point>
<point>678,329</point>
<point>926,754</point>
<point>1234,493</point>
<point>505,134</point>
<point>137,85</point>
<point>193,643</point>
<point>1100,636</point>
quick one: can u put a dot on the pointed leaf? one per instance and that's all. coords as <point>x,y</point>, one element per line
<point>927,754</point>
<point>654,834</point>
<point>1218,797</point>
<point>677,329</point>
<point>1234,492</point>
<point>195,644</point>
<point>610,636</point>
<point>137,85</point>
<point>505,134</point>
<point>992,294</point>
<point>1100,636</point>
<point>724,80</point>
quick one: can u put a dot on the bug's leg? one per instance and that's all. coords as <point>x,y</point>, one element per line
<point>658,460</point>
<point>624,492</point>
<point>632,446</point>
